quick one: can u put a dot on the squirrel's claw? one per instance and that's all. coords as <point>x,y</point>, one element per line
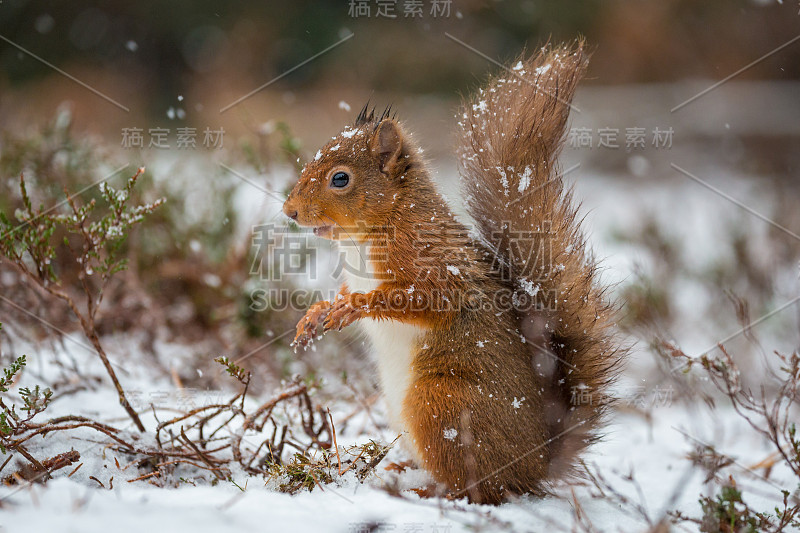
<point>341,315</point>
<point>331,316</point>
<point>309,324</point>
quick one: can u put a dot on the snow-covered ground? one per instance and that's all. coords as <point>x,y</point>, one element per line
<point>654,451</point>
<point>651,449</point>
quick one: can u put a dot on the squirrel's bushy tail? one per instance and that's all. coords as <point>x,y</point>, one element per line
<point>511,134</point>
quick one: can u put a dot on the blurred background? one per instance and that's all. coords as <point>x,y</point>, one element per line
<point>688,110</point>
<point>148,54</point>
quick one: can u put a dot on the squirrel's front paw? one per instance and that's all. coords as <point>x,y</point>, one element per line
<point>343,313</point>
<point>309,324</point>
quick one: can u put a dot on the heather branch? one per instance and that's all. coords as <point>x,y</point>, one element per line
<point>100,241</point>
<point>770,415</point>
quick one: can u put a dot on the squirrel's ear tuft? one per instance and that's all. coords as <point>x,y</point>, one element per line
<point>387,145</point>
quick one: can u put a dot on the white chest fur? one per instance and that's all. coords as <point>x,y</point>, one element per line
<point>394,343</point>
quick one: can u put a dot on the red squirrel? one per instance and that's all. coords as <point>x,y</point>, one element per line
<point>495,345</point>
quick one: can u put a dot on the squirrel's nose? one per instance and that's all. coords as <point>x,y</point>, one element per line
<point>290,211</point>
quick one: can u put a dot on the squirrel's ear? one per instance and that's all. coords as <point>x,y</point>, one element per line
<point>387,144</point>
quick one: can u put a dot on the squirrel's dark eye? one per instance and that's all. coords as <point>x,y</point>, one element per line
<point>340,179</point>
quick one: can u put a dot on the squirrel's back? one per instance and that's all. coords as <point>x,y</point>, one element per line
<point>511,134</point>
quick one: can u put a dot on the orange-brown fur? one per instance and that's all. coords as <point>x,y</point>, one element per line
<point>489,409</point>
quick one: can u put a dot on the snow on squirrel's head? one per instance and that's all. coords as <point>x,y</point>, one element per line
<point>353,182</point>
